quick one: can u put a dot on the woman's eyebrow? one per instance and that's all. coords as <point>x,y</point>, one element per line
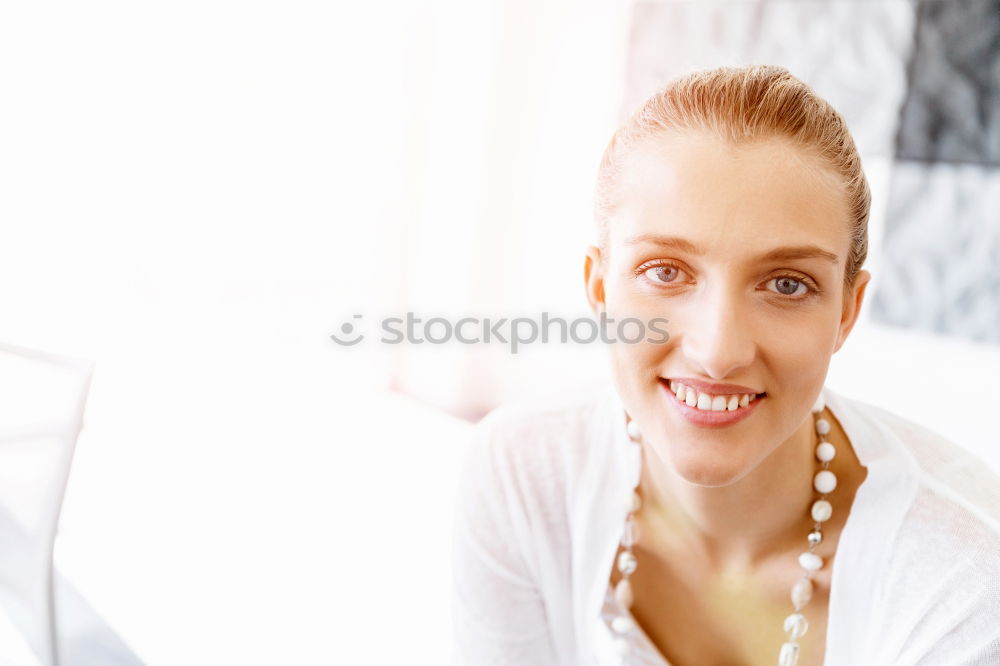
<point>778,253</point>
<point>799,252</point>
<point>669,242</point>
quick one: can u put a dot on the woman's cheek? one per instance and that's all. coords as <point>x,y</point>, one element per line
<point>796,344</point>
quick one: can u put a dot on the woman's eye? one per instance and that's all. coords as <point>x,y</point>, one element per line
<point>786,285</point>
<point>789,286</point>
<point>661,273</point>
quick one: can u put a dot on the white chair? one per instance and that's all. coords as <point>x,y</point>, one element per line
<point>42,398</point>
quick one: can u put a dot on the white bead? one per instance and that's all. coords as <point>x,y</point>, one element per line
<point>821,511</point>
<point>622,646</point>
<point>825,452</point>
<point>622,624</point>
<point>623,593</point>
<point>822,426</point>
<point>789,655</point>
<point>627,563</point>
<point>802,592</point>
<point>630,535</point>
<point>634,502</point>
<point>810,561</point>
<point>825,481</point>
<point>633,430</point>
<point>820,404</point>
<point>796,626</point>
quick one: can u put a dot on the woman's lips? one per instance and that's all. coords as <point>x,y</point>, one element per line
<point>710,419</point>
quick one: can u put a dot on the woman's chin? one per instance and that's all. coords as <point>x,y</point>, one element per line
<point>707,469</point>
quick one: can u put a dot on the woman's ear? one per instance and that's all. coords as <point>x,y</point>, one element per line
<point>593,275</point>
<point>853,298</point>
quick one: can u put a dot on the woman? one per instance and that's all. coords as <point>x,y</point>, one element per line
<point>718,505</point>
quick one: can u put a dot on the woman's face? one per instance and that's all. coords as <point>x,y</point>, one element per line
<point>742,250</point>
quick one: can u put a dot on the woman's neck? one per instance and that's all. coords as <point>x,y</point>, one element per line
<point>744,523</point>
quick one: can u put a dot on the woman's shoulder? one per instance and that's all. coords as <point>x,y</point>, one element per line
<point>942,573</point>
<point>944,473</point>
<point>941,584</point>
<point>524,459</point>
<point>950,510</point>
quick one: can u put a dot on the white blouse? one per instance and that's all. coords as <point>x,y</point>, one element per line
<point>543,498</point>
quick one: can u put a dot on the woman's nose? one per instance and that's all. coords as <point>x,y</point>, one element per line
<point>717,334</point>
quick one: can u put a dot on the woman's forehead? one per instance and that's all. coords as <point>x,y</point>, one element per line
<point>693,163</point>
<point>719,195</point>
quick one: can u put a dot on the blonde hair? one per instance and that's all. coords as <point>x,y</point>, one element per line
<point>744,105</point>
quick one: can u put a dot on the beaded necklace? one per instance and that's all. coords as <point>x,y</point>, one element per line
<point>795,625</point>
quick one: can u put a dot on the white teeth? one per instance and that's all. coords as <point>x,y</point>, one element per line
<point>709,402</point>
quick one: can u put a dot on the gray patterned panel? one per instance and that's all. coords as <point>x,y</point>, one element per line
<point>941,265</point>
<point>941,249</point>
<point>952,107</point>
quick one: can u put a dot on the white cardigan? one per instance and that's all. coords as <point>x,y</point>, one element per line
<point>543,498</point>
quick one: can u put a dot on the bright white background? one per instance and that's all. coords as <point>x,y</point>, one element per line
<point>195,194</point>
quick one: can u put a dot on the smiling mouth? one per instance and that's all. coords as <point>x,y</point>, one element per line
<point>710,402</point>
